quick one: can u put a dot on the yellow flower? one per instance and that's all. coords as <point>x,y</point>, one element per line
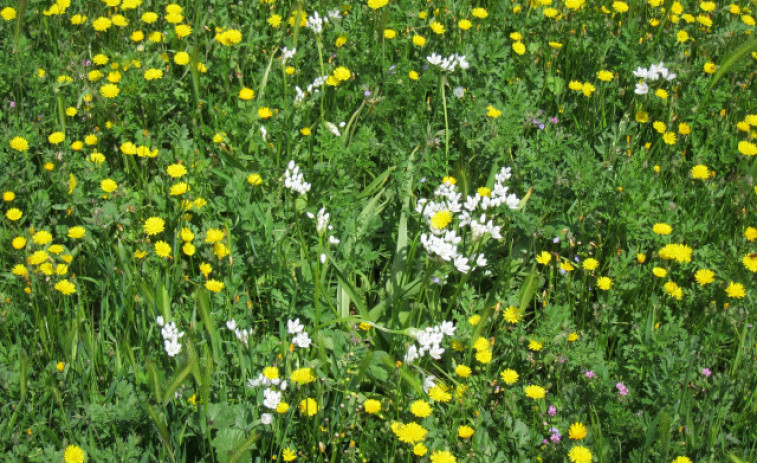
<point>372,406</point>
<point>441,219</point>
<point>162,249</point>
<point>575,85</point>
<point>274,21</point>
<point>579,454</point>
<point>509,376</point>
<point>662,229</point>
<point>463,371</point>
<point>13,214</point>
<point>214,286</point>
<point>182,30</point>
<point>413,75</point>
<point>604,283</point>
<point>265,112</point>
<point>153,74</point>
<point>420,408</point>
<point>419,40</point>
<point>419,449</point>
<point>188,249</point>
<point>669,138</point>
<point>534,345</point>
<point>246,94</point>
<point>254,179</point>
<point>588,88</point>
<point>493,112</point>
<point>484,356</point>
<point>604,76</point>
<point>154,225</point>
<point>109,90</point>
<point>19,144</point>
<point>181,58</point>
<point>67,288</point>
<point>747,148</point>
<point>750,262</point>
<point>750,233</point>
<point>700,172</point>
<point>480,13</point>
<point>678,252</point>
<point>302,376</point>
<point>659,272</point>
<point>438,28</point>
<point>308,407</point>
<point>390,34</point>
<point>342,73</point>
<point>376,4</point>
<point>464,24</point>
<point>101,24</point>
<point>544,258</point>
<point>512,315</point>
<point>56,138</point>
<point>590,264</point>
<point>673,290</point>
<point>465,432</point>
<point>8,13</point>
<point>710,67</point>
<point>288,454</point>
<point>573,337</point>
<point>108,185</point>
<point>661,93</point>
<point>179,189</point>
<point>409,433</point>
<point>18,242</point>
<point>519,48</point>
<point>577,431</point>
<point>620,7</point>
<point>73,453</point>
<point>439,393</point>
<point>534,392</point>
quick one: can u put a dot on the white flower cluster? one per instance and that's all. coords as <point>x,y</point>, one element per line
<point>429,342</point>
<point>271,395</point>
<point>655,72</point>
<point>287,54</point>
<point>313,88</point>
<point>241,334</point>
<point>444,243</point>
<point>322,226</point>
<point>171,337</point>
<point>315,22</point>
<point>301,338</point>
<point>294,180</point>
<point>450,63</point>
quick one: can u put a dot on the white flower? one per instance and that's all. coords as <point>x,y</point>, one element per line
<point>641,73</point>
<point>263,133</point>
<point>295,180</point>
<point>447,328</point>
<point>481,261</point>
<point>434,59</point>
<point>461,264</point>
<point>322,222</point>
<point>323,259</point>
<point>287,54</point>
<point>333,240</point>
<point>315,23</point>
<point>294,326</point>
<point>231,324</point>
<point>302,340</point>
<point>458,92</point>
<point>641,88</point>
<point>283,385</point>
<point>172,347</point>
<point>429,383</point>
<point>266,419</point>
<point>411,354</point>
<point>436,352</point>
<point>332,128</point>
<point>271,398</point>
<point>159,320</point>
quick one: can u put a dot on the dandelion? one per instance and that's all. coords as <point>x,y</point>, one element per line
<point>302,376</point>
<point>735,290</point>
<point>662,229</point>
<point>493,112</point>
<point>376,4</point>
<point>480,13</point>
<point>604,283</point>
<point>13,214</point>
<point>162,249</point>
<point>214,286</point>
<point>580,454</point>
<point>443,456</point>
<point>535,346</point>
<point>700,172</point>
<point>66,288</point>
<point>577,431</point>
<point>544,258</point>
<point>389,34</point>
<point>74,454</point>
<point>288,454</point>
<point>409,433</point>
<point>420,408</point>
<point>682,460</point>
<point>154,225</point>
<point>19,144</point>
<point>519,48</point>
<point>534,392</point>
<point>747,148</point>
<point>512,315</point>
<point>509,376</point>
<point>419,40</point>
<point>678,252</point>
<point>372,406</point>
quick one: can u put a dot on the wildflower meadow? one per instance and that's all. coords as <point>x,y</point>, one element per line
<point>378,231</point>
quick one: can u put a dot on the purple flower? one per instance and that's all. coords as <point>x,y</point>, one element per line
<point>577,259</point>
<point>622,389</point>
<point>86,63</point>
<point>562,359</point>
<point>554,120</point>
<point>13,104</point>
<point>556,239</point>
<point>552,410</point>
<point>367,93</point>
<point>707,372</point>
<point>590,374</point>
<point>555,436</point>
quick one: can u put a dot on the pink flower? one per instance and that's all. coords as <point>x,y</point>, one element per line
<point>590,374</point>
<point>707,372</point>
<point>552,410</point>
<point>622,389</point>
